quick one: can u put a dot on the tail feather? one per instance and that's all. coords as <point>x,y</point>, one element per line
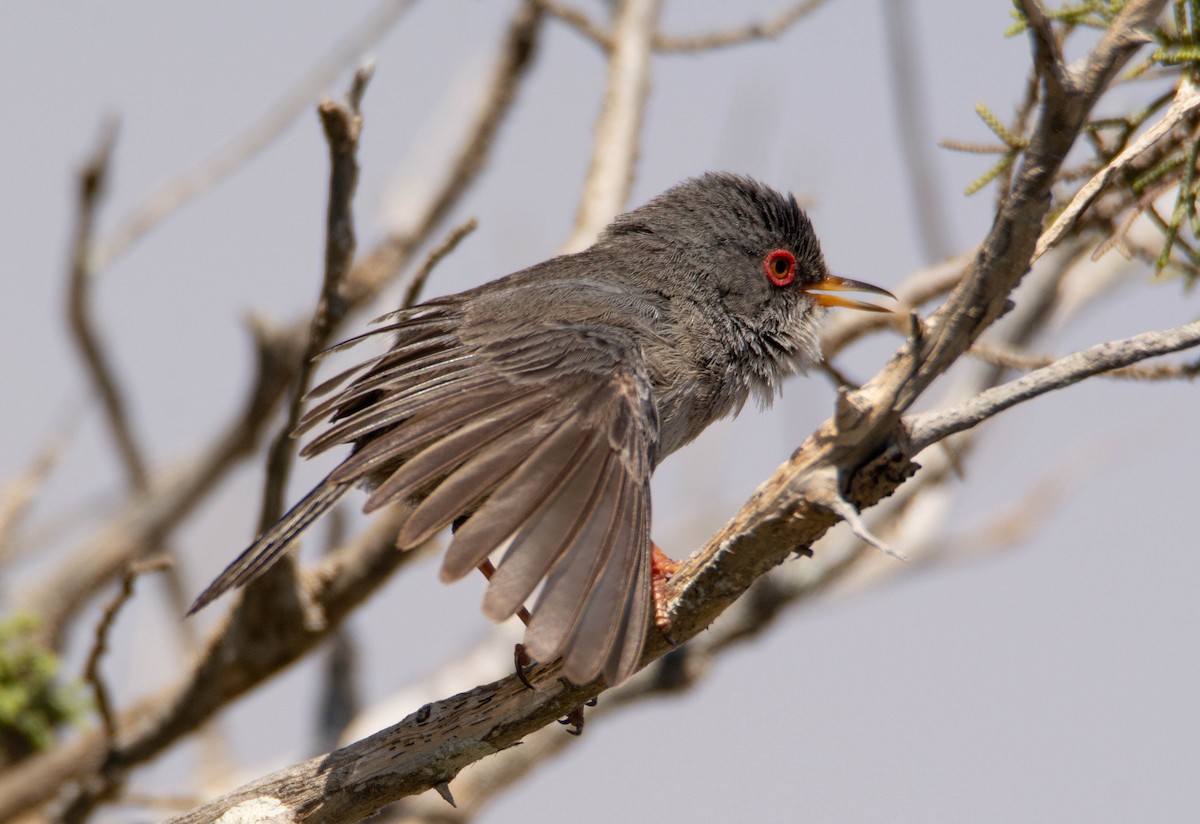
<point>271,544</point>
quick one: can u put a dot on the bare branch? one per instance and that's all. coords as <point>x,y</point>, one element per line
<point>342,125</point>
<point>1013,358</point>
<point>256,643</point>
<point>375,269</point>
<point>930,427</point>
<point>92,180</point>
<point>660,42</point>
<point>210,171</point>
<point>742,34</point>
<point>579,21</point>
<point>1186,101</point>
<point>100,643</point>
<point>911,115</point>
<point>106,784</point>
<point>618,130</point>
<point>415,286</point>
<point>143,521</point>
<point>19,492</point>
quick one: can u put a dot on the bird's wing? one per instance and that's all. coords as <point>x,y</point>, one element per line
<point>543,432</point>
<point>421,328</point>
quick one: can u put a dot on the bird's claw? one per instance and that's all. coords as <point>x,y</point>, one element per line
<point>661,570</point>
<point>522,662</point>
<point>575,717</point>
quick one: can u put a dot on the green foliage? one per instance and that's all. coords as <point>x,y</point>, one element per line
<point>1013,146</point>
<point>34,701</point>
<point>1169,166</point>
<point>1095,14</point>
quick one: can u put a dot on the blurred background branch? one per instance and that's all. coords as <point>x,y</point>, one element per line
<point>1116,179</point>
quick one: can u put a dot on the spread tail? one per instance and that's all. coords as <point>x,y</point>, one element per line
<point>271,544</point>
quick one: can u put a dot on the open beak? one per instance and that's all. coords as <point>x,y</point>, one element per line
<point>833,283</point>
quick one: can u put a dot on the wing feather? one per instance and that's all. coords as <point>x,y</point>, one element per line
<point>551,532</point>
<point>268,546</point>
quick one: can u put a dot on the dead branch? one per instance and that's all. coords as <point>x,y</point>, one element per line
<point>342,125</point>
<point>1013,358</point>
<point>619,128</point>
<point>1186,101</point>
<point>773,28</point>
<point>930,427</point>
<point>140,523</point>
<point>92,180</point>
<point>788,512</point>
<point>379,266</point>
<point>415,286</point>
<point>660,42</point>
<point>143,521</point>
<point>175,193</point>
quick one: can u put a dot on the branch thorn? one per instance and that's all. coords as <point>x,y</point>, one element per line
<point>443,789</point>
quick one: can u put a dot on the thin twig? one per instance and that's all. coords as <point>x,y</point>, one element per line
<point>415,286</point>
<point>911,114</point>
<point>342,125</point>
<point>731,37</point>
<point>92,180</point>
<point>146,520</point>
<point>1012,358</point>
<point>379,266</point>
<point>930,427</point>
<point>577,20</point>
<point>1186,101</point>
<point>100,643</point>
<point>260,134</point>
<point>19,492</point>
<point>684,44</point>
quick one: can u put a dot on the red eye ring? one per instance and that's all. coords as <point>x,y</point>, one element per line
<point>780,267</point>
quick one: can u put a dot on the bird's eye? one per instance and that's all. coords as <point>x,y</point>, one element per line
<point>780,267</point>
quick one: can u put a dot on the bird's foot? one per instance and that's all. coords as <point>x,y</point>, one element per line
<point>575,718</point>
<point>661,570</point>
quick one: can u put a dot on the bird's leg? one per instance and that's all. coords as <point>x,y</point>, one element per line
<point>521,659</point>
<point>575,717</point>
<point>661,570</point>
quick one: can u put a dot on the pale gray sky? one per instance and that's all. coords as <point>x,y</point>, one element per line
<point>1053,682</point>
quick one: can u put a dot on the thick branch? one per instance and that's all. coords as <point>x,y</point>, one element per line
<point>847,456</point>
<point>241,654</point>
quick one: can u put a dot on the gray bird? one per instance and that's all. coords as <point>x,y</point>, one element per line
<point>531,411</point>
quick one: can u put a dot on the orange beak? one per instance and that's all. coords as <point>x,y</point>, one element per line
<point>833,283</point>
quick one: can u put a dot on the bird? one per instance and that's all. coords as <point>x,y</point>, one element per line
<point>529,413</point>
